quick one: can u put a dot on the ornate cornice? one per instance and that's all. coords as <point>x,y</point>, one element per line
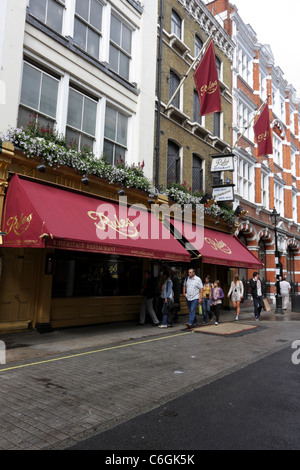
<point>210,25</point>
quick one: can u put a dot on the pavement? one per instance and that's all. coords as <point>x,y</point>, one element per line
<point>62,387</point>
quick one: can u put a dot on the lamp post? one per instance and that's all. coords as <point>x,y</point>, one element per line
<point>274,218</point>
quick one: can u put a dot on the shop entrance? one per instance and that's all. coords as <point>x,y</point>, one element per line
<point>18,287</point>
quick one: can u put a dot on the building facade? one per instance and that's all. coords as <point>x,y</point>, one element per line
<point>78,70</point>
<point>272,181</point>
<point>184,140</point>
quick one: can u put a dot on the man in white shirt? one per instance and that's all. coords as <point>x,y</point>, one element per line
<point>192,290</point>
<point>285,289</point>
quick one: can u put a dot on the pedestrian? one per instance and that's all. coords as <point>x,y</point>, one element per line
<point>193,292</point>
<point>148,293</point>
<point>167,295</point>
<point>285,289</point>
<point>217,296</point>
<point>236,292</point>
<point>207,288</point>
<point>176,291</point>
<point>256,291</point>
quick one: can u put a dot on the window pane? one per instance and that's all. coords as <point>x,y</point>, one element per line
<point>122,129</point>
<point>115,30</point>
<point>82,8</point>
<point>114,58</point>
<point>73,138</point>
<point>119,153</point>
<point>108,152</point>
<point>24,117</point>
<point>49,96</point>
<point>75,109</point>
<point>96,14</point>
<point>126,39</point>
<point>110,123</point>
<point>55,15</point>
<point>31,86</point>
<point>38,8</point>
<point>93,43</point>
<point>86,141</point>
<point>124,66</point>
<point>89,116</point>
<point>80,33</point>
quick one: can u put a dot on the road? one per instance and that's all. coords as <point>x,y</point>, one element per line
<point>254,408</point>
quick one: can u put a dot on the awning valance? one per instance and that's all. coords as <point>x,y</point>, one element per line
<point>217,247</point>
<point>36,214</point>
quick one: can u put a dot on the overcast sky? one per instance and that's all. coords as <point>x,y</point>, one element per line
<point>276,23</point>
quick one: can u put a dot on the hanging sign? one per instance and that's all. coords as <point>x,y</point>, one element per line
<point>224,193</point>
<point>222,163</point>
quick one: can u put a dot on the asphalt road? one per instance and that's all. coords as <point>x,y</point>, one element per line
<point>254,408</point>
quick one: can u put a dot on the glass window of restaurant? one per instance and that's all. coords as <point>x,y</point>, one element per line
<point>80,274</point>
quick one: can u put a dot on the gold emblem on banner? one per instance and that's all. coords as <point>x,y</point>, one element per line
<point>18,225</point>
<point>264,136</point>
<point>124,227</point>
<point>210,88</point>
<point>218,245</point>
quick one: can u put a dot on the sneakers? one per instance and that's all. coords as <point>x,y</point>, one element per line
<point>236,318</point>
<point>216,323</point>
<point>162,326</point>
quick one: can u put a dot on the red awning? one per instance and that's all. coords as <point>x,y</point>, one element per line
<point>218,247</point>
<point>36,214</point>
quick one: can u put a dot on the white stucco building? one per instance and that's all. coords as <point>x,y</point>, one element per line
<point>87,68</point>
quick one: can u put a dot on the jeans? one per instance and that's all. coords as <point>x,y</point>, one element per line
<point>192,306</point>
<point>258,305</point>
<point>206,309</point>
<point>167,314</point>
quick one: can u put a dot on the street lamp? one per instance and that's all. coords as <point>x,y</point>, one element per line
<point>274,218</point>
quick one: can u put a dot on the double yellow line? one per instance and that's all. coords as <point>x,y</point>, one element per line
<point>94,352</point>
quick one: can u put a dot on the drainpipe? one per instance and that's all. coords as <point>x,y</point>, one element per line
<point>159,66</point>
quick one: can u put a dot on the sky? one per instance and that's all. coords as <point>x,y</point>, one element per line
<point>276,23</point>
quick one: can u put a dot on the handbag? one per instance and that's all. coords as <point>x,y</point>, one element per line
<point>267,307</point>
<point>200,309</point>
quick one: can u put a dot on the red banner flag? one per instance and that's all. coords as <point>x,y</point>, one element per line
<point>262,131</point>
<point>207,82</point>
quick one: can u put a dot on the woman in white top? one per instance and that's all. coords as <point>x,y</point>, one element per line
<point>236,292</point>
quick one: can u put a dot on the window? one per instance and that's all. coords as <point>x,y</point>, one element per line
<point>174,83</point>
<point>244,66</point>
<point>115,135</point>
<point>246,176</point>
<point>264,190</point>
<point>278,198</point>
<point>88,26</point>
<point>49,12</point>
<point>176,24</point>
<point>196,109</point>
<point>244,119</point>
<point>198,45</point>
<point>81,120</point>
<point>219,66</point>
<point>217,125</point>
<point>197,182</point>
<point>120,47</point>
<point>38,96</point>
<point>277,149</point>
<point>173,163</point>
<point>79,274</point>
<point>262,256</point>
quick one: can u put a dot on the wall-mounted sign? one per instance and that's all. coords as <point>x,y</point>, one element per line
<point>224,193</point>
<point>222,163</point>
